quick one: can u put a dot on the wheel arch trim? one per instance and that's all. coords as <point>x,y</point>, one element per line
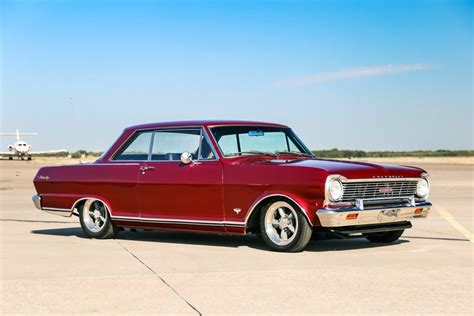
<point>264,197</point>
<point>100,199</point>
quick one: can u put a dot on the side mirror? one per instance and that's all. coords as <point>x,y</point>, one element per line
<point>187,158</point>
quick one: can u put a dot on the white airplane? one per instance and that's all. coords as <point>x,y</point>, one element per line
<point>22,149</point>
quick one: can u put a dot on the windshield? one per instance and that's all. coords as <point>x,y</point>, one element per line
<point>258,140</point>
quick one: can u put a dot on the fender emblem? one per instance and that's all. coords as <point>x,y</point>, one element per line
<point>43,177</point>
<point>237,210</point>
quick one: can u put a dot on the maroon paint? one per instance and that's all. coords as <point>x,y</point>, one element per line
<point>209,191</point>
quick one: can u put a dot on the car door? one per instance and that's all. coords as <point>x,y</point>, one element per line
<point>184,194</point>
<point>117,180</point>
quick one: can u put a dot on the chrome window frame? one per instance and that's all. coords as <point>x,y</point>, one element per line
<point>203,135</point>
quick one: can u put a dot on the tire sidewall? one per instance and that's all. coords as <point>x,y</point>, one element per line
<point>104,232</point>
<point>302,224</point>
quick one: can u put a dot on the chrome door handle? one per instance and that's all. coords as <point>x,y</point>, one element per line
<point>145,168</point>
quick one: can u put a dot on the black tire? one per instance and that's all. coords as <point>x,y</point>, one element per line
<point>385,237</point>
<point>107,230</point>
<point>302,231</point>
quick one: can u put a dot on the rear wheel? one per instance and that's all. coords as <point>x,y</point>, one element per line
<point>386,237</point>
<point>284,227</point>
<point>95,220</point>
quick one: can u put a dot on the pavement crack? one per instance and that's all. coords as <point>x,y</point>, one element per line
<point>160,277</point>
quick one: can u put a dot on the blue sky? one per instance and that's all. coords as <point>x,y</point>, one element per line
<point>373,75</point>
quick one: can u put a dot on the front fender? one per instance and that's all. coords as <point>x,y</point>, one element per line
<point>307,207</point>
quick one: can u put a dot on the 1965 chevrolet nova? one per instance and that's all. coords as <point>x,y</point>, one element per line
<point>232,177</point>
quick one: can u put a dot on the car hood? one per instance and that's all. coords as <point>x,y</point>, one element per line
<point>350,169</point>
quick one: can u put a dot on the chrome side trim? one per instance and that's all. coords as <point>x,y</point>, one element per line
<point>65,212</point>
<point>254,205</point>
<point>192,222</point>
<point>58,211</point>
<point>177,221</point>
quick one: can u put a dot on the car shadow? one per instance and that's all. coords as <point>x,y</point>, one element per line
<point>66,232</point>
<point>220,240</point>
<point>347,244</point>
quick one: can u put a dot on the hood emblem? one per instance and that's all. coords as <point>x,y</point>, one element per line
<point>43,177</point>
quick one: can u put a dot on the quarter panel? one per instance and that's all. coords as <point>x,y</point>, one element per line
<point>115,184</point>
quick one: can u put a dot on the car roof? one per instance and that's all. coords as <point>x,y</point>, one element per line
<point>207,123</point>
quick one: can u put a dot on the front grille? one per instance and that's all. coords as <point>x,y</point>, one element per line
<point>374,190</point>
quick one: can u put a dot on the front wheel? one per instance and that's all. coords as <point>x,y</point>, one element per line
<point>95,220</point>
<point>284,227</point>
<point>386,237</point>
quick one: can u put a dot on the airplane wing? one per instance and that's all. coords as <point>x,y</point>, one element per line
<point>56,151</point>
<point>7,153</point>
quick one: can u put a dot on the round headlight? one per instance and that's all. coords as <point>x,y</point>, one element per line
<point>422,188</point>
<point>335,190</point>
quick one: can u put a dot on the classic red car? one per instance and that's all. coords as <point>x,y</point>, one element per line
<point>232,177</point>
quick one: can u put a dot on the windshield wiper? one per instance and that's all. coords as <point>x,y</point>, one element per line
<point>253,152</point>
<point>297,153</point>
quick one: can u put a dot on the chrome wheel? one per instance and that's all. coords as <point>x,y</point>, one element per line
<point>281,223</point>
<point>94,215</point>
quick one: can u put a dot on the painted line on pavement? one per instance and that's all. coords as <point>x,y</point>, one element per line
<point>450,219</point>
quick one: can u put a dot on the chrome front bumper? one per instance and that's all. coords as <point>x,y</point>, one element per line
<point>357,216</point>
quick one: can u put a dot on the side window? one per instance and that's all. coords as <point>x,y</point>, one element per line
<point>228,144</point>
<point>169,145</point>
<point>137,149</point>
<point>206,150</point>
<point>292,145</point>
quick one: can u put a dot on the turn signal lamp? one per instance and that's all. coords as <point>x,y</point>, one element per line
<point>352,216</point>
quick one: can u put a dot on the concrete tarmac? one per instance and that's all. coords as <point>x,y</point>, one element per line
<point>49,266</point>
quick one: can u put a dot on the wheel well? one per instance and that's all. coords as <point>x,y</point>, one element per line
<point>253,221</point>
<point>79,203</point>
